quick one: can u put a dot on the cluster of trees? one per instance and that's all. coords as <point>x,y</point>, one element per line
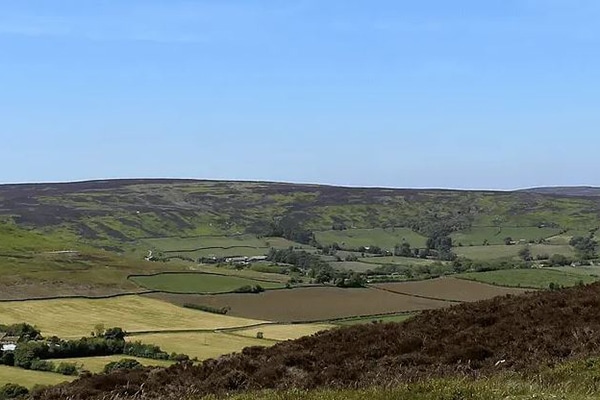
<point>292,231</point>
<point>28,354</point>
<point>310,264</point>
<point>139,349</point>
<point>23,331</point>
<point>351,280</point>
<point>440,243</point>
<point>33,354</point>
<point>316,268</point>
<point>585,246</point>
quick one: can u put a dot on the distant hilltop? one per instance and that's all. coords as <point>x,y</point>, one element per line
<point>575,191</point>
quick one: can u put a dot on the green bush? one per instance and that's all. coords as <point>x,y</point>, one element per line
<point>201,307</point>
<point>139,349</point>
<point>68,369</point>
<point>249,289</point>
<point>42,365</point>
<point>126,363</point>
<point>13,391</point>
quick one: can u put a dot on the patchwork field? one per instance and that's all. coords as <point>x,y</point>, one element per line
<point>528,278</point>
<point>204,242</point>
<point>384,238</point>
<point>198,283</point>
<point>496,235</point>
<point>503,251</point>
<point>309,304</point>
<point>30,378</point>
<point>96,364</point>
<point>76,317</point>
<point>356,266</point>
<point>202,345</point>
<point>565,238</point>
<point>217,246</point>
<point>449,289</point>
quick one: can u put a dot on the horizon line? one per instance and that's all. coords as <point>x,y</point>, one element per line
<point>258,181</point>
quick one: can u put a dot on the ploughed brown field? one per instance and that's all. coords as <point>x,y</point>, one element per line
<point>309,304</point>
<point>450,289</point>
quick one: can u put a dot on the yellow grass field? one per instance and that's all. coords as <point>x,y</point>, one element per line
<point>285,332</point>
<point>29,379</point>
<point>201,345</point>
<point>96,364</point>
<point>77,317</point>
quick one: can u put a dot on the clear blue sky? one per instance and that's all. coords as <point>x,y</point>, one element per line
<point>463,94</point>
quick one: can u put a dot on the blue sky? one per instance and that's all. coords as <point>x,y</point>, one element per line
<point>462,94</point>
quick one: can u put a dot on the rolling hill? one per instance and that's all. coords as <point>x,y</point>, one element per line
<point>109,213</point>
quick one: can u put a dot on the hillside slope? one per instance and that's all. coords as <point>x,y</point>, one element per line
<point>518,333</point>
<point>107,213</point>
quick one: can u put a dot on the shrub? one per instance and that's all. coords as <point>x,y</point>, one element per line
<point>114,334</point>
<point>201,307</point>
<point>8,358</point>
<point>42,365</point>
<point>68,369</point>
<point>126,363</point>
<point>179,357</point>
<point>13,391</point>
<point>249,289</point>
<point>139,349</point>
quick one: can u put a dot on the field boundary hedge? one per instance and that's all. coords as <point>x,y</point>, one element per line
<point>415,295</point>
<point>214,247</point>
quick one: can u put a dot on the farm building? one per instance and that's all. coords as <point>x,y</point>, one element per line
<point>8,343</point>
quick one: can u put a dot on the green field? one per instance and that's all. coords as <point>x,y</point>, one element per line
<point>74,318</point>
<point>356,266</point>
<point>199,344</point>
<point>208,242</point>
<point>502,251</point>
<point>384,238</point>
<point>29,379</point>
<point>496,235</point>
<point>528,278</point>
<point>198,283</point>
<point>593,271</point>
<point>565,238</point>
<point>402,261</point>
<point>96,364</point>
